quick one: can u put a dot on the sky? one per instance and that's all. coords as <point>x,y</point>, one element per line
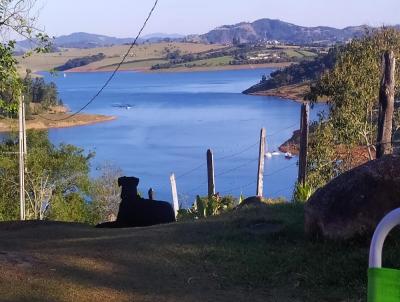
<point>123,18</point>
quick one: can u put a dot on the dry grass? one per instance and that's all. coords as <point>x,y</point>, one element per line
<point>58,114</point>
<point>294,92</point>
<point>43,62</point>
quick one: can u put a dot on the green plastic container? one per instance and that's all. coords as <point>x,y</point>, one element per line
<point>383,283</point>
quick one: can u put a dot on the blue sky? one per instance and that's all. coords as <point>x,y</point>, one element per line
<point>122,18</point>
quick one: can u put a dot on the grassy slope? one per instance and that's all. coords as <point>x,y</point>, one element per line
<point>258,254</point>
<point>40,62</point>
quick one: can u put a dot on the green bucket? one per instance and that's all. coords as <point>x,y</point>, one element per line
<point>383,283</point>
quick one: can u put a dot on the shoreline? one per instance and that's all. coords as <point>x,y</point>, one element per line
<point>295,93</point>
<point>83,69</point>
<point>39,123</point>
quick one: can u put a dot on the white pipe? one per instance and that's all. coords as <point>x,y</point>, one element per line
<point>382,230</point>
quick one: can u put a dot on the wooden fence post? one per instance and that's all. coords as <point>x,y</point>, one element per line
<point>151,194</point>
<point>175,201</point>
<point>386,105</point>
<point>304,132</point>
<point>261,160</point>
<point>210,173</point>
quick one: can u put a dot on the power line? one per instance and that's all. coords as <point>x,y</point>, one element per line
<point>113,73</point>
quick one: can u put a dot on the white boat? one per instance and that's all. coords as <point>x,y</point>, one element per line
<point>268,155</point>
<point>276,153</point>
<point>65,75</point>
<point>288,155</point>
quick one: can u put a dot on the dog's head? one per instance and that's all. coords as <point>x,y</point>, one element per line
<point>128,187</point>
<point>128,182</point>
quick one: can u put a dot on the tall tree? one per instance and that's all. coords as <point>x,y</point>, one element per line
<point>348,128</point>
<point>17,18</point>
<point>57,180</point>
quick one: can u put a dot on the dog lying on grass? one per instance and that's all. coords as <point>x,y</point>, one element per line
<point>135,211</point>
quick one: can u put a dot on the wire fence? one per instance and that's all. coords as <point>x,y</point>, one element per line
<point>244,161</point>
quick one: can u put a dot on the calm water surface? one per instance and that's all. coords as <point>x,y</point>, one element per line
<point>174,119</point>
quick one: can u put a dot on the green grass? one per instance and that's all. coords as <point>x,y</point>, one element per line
<point>254,254</point>
<point>294,53</point>
<point>214,62</point>
<point>145,63</point>
<point>306,53</point>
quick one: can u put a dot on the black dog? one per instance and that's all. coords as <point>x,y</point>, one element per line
<point>135,211</point>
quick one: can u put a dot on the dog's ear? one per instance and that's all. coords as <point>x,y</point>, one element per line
<point>121,181</point>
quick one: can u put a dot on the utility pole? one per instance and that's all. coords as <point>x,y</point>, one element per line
<point>22,154</point>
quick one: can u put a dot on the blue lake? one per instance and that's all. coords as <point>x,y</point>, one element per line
<point>174,119</point>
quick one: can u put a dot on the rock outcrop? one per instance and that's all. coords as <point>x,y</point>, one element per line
<point>352,204</point>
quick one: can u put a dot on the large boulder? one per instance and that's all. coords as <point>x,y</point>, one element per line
<point>352,204</point>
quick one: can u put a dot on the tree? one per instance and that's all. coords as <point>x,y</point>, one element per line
<point>16,18</point>
<point>352,88</point>
<point>105,194</point>
<point>57,180</point>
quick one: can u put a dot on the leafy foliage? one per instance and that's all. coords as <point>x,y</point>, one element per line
<point>105,194</point>
<point>57,180</point>
<point>302,193</point>
<point>205,207</point>
<point>298,73</point>
<point>352,88</point>
<point>16,17</point>
<point>78,62</point>
<point>10,82</point>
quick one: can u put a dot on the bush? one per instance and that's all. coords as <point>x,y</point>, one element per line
<point>302,193</point>
<point>205,207</point>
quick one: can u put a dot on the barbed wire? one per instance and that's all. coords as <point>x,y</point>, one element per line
<point>238,153</point>
<point>218,158</point>
<point>284,129</point>
<point>280,170</point>
<point>224,172</point>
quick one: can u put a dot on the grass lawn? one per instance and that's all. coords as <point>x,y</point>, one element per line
<point>295,53</point>
<point>255,254</point>
<point>213,62</point>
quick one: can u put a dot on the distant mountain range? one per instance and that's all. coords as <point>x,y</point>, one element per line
<point>87,40</point>
<point>270,30</point>
<point>260,30</point>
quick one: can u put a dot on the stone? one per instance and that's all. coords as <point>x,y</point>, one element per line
<point>352,204</point>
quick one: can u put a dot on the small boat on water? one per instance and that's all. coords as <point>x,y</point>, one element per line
<point>276,153</point>
<point>123,106</point>
<point>268,155</point>
<point>288,155</point>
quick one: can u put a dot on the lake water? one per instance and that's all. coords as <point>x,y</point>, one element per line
<point>174,119</point>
